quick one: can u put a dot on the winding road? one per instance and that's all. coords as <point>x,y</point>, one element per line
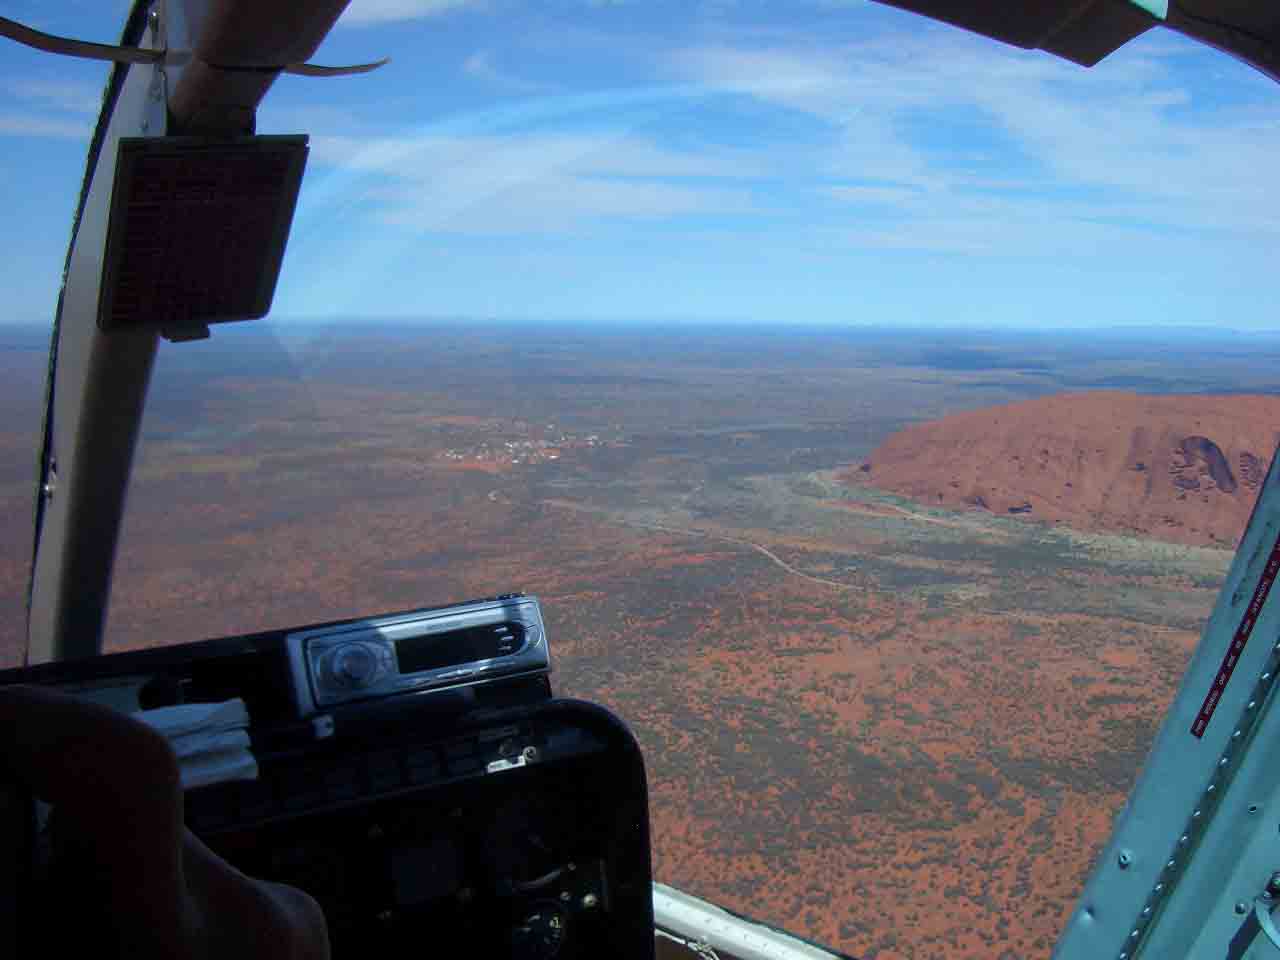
<point>496,497</point>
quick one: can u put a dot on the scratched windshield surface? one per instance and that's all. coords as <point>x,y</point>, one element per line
<point>834,378</point>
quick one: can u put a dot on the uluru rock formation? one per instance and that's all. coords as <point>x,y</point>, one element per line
<point>1180,468</point>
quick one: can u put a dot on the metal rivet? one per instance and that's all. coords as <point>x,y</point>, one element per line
<point>1124,859</point>
<point>1236,735</point>
<point>1224,761</point>
<point>1251,704</point>
<point>1123,955</point>
<point>1212,787</point>
<point>589,901</point>
<point>1170,865</point>
<point>1183,839</point>
<point>1134,935</point>
<point>1266,676</point>
<point>1159,887</point>
<point>1241,907</point>
<point>1196,815</point>
<point>1146,911</point>
<point>1253,808</point>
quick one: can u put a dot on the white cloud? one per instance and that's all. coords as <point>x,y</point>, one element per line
<point>553,204</point>
<point>479,66</point>
<point>536,182</point>
<point>51,108</point>
<point>27,125</point>
<point>892,196</point>
<point>276,116</point>
<point>1080,155</point>
<point>943,142</point>
<point>530,156</point>
<point>70,96</point>
<point>389,11</point>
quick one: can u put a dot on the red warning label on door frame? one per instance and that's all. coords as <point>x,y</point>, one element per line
<point>1232,657</point>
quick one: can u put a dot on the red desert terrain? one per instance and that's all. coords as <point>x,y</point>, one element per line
<point>1179,468</point>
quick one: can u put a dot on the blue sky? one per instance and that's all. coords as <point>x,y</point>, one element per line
<point>808,161</point>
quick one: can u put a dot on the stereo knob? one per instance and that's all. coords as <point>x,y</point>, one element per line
<point>354,665</point>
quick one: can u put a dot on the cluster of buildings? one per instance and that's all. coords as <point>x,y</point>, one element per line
<point>549,448</point>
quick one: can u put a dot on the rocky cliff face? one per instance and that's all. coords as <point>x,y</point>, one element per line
<point>1179,468</point>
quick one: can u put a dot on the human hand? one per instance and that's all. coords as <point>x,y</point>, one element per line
<point>114,784</point>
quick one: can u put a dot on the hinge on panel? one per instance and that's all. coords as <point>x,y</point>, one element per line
<point>1258,937</point>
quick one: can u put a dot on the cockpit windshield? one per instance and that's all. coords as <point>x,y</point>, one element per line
<point>873,408</point>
